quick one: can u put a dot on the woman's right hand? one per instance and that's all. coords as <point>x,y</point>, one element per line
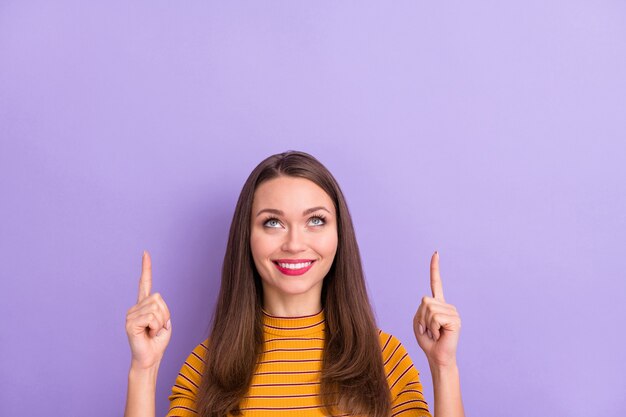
<point>148,324</point>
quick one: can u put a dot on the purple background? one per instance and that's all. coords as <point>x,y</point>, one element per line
<point>492,131</point>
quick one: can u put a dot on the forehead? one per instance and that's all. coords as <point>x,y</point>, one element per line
<point>290,192</point>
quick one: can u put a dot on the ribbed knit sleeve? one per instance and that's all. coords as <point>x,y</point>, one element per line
<point>185,389</point>
<point>404,383</point>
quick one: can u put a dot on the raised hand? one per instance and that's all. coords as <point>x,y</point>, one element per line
<point>436,324</point>
<point>148,324</point>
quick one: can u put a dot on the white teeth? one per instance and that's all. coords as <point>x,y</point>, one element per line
<point>295,266</point>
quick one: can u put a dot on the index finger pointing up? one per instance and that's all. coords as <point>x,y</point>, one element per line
<point>435,278</point>
<point>145,282</point>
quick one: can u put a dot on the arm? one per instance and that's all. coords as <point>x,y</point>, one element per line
<point>140,397</point>
<point>149,329</point>
<point>447,387</point>
<point>437,326</point>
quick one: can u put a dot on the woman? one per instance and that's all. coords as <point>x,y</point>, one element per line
<point>293,331</point>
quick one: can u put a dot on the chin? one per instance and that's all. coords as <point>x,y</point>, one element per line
<point>296,288</point>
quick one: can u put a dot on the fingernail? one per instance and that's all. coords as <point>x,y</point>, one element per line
<point>421,328</point>
<point>168,324</point>
<point>429,334</point>
<point>160,332</point>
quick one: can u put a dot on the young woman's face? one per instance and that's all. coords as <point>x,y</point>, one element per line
<point>293,238</point>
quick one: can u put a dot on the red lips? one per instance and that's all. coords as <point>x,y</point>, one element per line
<point>292,272</point>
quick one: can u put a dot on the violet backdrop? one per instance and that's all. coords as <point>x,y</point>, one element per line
<point>493,132</point>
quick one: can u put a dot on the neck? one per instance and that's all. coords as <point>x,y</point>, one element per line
<point>295,306</point>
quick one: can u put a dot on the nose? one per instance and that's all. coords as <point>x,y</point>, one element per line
<point>295,241</point>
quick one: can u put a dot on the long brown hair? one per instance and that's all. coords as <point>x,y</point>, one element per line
<point>353,377</point>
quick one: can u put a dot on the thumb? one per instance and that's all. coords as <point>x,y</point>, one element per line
<point>165,331</point>
<point>424,341</point>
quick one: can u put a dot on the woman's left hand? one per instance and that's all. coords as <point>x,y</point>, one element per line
<point>436,324</point>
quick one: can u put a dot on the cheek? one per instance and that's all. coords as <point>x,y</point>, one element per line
<point>261,246</point>
<point>256,246</point>
<point>328,244</point>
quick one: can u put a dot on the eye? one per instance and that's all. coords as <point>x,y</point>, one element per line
<point>321,219</point>
<point>271,222</point>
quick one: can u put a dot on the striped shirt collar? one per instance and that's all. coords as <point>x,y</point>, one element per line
<point>294,326</point>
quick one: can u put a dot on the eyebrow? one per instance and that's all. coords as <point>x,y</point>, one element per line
<point>304,213</point>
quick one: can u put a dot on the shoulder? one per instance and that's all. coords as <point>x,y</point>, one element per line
<point>403,378</point>
<point>201,349</point>
<point>191,371</point>
<point>390,345</point>
<point>396,360</point>
<point>198,356</point>
<point>187,384</point>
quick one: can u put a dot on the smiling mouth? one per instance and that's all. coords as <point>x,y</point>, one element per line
<point>294,265</point>
<point>294,268</point>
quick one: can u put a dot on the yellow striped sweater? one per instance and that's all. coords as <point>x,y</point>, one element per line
<point>287,379</point>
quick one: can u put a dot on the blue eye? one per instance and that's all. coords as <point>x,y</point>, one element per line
<point>317,220</point>
<point>270,219</point>
<point>320,218</point>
